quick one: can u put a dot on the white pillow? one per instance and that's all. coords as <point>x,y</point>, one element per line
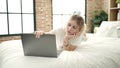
<point>108,29</point>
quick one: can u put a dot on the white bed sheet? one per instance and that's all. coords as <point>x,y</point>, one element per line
<point>96,52</point>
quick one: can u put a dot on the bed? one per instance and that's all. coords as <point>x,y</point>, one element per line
<point>96,52</point>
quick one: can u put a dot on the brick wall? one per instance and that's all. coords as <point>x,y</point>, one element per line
<point>44,14</point>
<point>105,5</point>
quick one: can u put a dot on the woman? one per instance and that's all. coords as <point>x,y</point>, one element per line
<point>70,37</point>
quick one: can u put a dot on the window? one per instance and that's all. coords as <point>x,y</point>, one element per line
<point>17,16</point>
<point>63,9</point>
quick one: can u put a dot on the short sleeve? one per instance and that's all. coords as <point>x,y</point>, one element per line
<point>57,31</point>
<point>60,33</point>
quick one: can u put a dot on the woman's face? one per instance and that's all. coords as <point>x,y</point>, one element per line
<point>72,27</point>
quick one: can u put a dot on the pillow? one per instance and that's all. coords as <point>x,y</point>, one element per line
<point>108,29</point>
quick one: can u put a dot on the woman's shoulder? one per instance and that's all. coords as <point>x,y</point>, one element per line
<point>58,30</point>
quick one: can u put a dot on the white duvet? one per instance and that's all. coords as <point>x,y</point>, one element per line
<point>97,52</point>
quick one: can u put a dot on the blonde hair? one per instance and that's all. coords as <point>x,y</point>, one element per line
<point>79,20</point>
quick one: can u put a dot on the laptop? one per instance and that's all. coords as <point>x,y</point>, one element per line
<point>44,46</point>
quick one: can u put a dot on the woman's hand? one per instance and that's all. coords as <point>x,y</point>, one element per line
<point>68,37</point>
<point>70,48</point>
<point>38,33</point>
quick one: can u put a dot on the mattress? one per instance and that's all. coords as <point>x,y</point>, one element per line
<point>96,52</point>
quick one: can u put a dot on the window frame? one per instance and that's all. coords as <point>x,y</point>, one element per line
<point>68,14</point>
<point>34,18</point>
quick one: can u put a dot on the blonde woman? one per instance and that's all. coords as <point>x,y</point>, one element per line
<point>70,37</point>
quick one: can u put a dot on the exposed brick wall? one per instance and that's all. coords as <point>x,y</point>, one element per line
<point>44,14</point>
<point>105,5</point>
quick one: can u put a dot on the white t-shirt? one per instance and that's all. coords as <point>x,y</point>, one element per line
<point>60,34</point>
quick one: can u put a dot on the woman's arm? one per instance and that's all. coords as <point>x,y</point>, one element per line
<point>55,31</point>
<point>39,33</point>
<point>70,47</point>
<point>66,45</point>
